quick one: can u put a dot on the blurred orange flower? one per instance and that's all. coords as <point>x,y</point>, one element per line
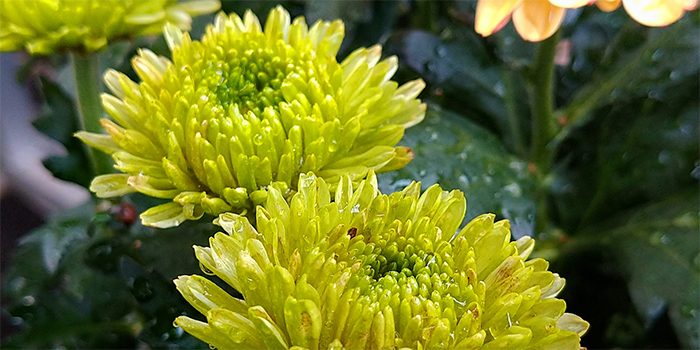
<point>652,13</point>
<point>536,20</point>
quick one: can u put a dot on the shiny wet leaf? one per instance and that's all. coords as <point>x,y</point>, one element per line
<point>458,154</point>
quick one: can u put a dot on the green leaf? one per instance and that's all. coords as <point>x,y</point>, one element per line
<point>163,255</point>
<point>464,75</point>
<point>637,150</point>
<point>365,22</point>
<point>58,121</point>
<point>461,74</point>
<point>458,154</point>
<point>658,249</point>
<point>611,62</point>
<point>93,280</point>
<point>55,299</point>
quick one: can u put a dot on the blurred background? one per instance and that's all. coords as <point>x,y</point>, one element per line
<point>616,213</point>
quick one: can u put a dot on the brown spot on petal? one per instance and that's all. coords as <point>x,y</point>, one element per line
<point>305,320</point>
<point>352,232</point>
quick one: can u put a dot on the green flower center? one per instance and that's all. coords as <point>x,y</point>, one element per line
<point>404,269</point>
<point>249,74</point>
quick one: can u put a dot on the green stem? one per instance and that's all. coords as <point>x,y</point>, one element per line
<point>426,15</point>
<point>89,85</point>
<point>541,93</point>
<point>542,102</point>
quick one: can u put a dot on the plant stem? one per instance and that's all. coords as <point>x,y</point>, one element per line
<point>541,93</point>
<point>88,86</point>
<point>426,15</point>
<point>542,102</point>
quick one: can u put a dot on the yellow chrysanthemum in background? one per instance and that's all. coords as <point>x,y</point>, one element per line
<point>244,108</point>
<point>536,20</point>
<point>46,26</point>
<point>364,270</point>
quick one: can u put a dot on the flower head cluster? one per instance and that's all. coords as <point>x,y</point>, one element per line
<point>365,270</point>
<point>46,26</point>
<point>244,108</point>
<point>536,20</point>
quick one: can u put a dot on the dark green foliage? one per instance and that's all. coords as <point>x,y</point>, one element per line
<point>458,154</point>
<point>88,280</point>
<point>620,205</point>
<point>58,121</point>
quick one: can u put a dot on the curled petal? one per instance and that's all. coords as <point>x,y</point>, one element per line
<point>491,13</point>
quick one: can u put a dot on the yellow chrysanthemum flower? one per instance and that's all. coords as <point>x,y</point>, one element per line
<point>246,107</point>
<point>46,26</point>
<point>371,271</point>
<point>536,20</point>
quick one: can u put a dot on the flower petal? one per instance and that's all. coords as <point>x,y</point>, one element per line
<point>490,13</point>
<point>537,20</point>
<point>570,4</point>
<point>654,13</point>
<point>607,5</point>
<point>573,323</point>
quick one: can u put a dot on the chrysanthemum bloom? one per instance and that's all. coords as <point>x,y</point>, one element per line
<point>652,13</point>
<point>536,20</point>
<point>371,271</point>
<point>245,108</point>
<point>46,26</point>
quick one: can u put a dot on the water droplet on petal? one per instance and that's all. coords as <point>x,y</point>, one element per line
<point>258,139</point>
